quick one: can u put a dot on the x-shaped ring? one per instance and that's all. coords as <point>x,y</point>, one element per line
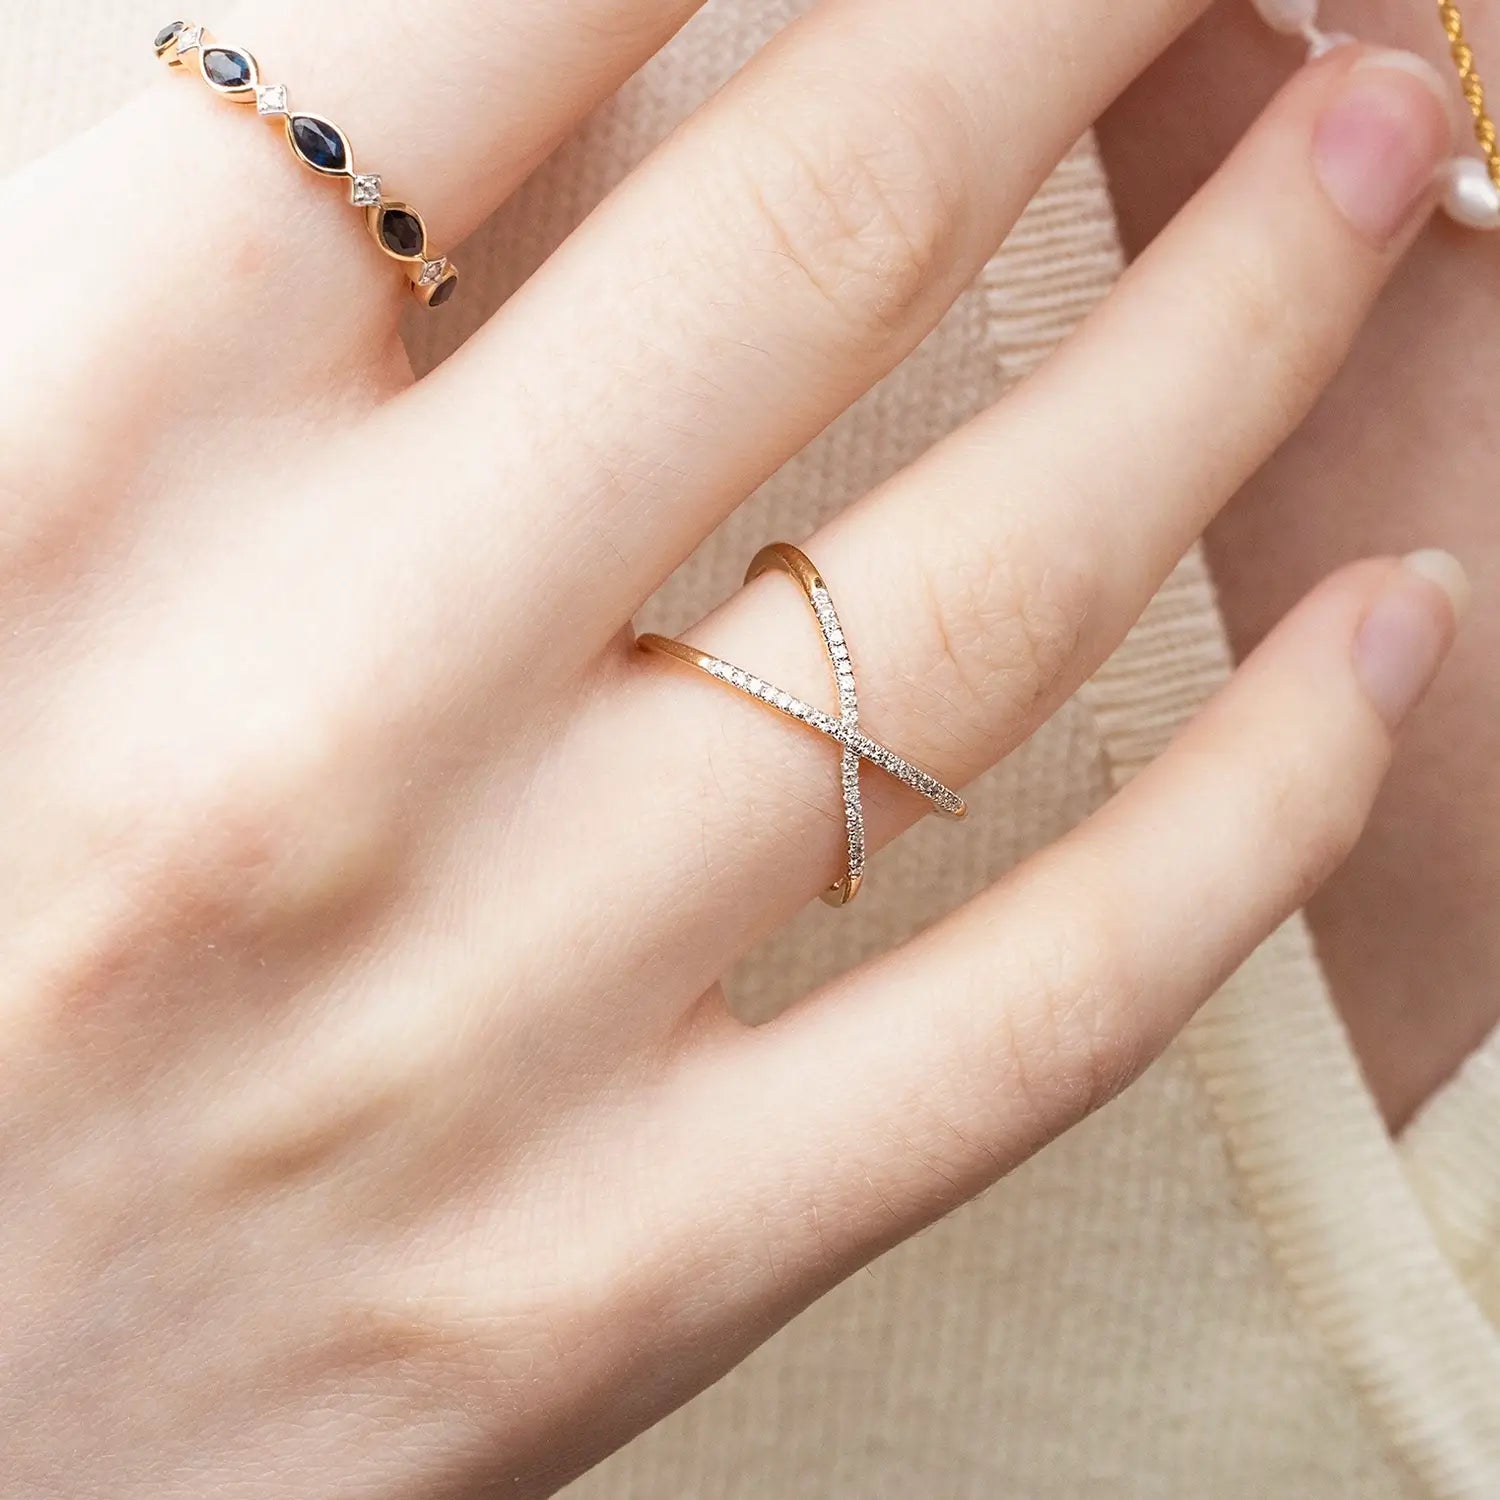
<point>844,731</point>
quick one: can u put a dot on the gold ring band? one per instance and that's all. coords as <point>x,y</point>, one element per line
<point>843,730</point>
<point>319,145</point>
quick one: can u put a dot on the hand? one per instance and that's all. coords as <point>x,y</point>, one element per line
<point>370,1119</point>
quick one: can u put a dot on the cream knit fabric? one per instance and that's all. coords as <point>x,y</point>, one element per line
<point>1229,1284</point>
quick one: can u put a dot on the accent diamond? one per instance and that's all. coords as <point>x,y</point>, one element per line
<point>364,191</point>
<point>432,270</point>
<point>190,39</point>
<point>270,99</point>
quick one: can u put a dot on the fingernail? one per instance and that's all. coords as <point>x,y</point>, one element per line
<point>1381,139</point>
<point>1409,630</point>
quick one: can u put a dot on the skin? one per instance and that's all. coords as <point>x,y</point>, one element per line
<point>1406,930</point>
<point>371,1123</point>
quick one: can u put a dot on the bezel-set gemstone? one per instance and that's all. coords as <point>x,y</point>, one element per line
<point>228,69</point>
<point>402,232</point>
<point>320,144</point>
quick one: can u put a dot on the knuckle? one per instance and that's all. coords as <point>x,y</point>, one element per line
<point>320,1104</point>
<point>1002,631</point>
<point>191,878</point>
<point>1316,820</point>
<point>1057,1043</point>
<point>869,211</point>
<point>1288,359</point>
<point>205,822</point>
<point>290,826</point>
<point>1063,1041</point>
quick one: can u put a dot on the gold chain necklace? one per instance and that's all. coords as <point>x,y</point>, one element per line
<point>1472,85</point>
<point>1469,184</point>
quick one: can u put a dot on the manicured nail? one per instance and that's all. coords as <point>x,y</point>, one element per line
<point>1380,141</point>
<point>1408,631</point>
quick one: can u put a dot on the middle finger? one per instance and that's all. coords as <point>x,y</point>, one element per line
<point>765,268</point>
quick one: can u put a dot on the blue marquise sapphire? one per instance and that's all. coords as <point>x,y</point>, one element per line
<point>319,144</point>
<point>227,69</point>
<point>167,33</point>
<point>401,232</point>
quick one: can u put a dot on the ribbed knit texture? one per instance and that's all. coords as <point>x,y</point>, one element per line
<point>1230,1283</point>
<point>1452,1156</point>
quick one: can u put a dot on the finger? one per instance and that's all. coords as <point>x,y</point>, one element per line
<point>916,1080</point>
<point>979,589</point>
<point>463,98</point>
<point>200,287</point>
<point>185,213</point>
<point>781,253</point>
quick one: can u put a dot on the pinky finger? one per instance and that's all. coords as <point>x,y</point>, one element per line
<point>918,1079</point>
